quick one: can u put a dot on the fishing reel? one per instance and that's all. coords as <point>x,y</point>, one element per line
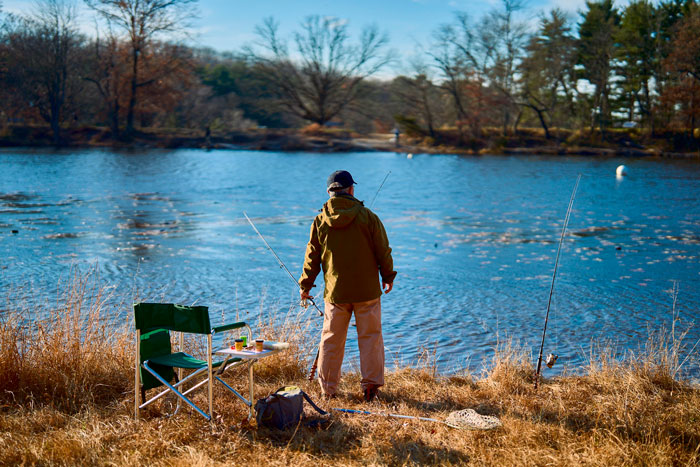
<point>307,302</point>
<point>551,360</point>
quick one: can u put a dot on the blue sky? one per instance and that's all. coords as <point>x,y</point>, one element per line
<point>226,24</point>
<point>229,24</point>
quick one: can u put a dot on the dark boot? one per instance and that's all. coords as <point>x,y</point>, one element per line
<point>370,392</point>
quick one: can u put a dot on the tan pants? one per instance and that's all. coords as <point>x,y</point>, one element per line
<point>368,316</point>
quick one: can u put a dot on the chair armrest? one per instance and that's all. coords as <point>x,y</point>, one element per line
<point>228,327</point>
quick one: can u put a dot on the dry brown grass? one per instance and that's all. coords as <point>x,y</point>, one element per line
<point>68,355</point>
<point>66,399</point>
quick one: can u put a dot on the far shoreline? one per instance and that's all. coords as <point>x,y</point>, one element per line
<point>522,143</point>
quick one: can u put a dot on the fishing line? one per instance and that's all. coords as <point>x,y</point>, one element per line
<point>551,290</point>
<point>282,266</point>
<point>379,189</point>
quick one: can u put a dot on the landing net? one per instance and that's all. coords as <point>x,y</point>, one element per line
<point>469,419</point>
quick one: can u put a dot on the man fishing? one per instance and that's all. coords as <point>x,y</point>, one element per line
<point>349,242</point>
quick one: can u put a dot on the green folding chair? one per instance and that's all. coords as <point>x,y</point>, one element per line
<point>155,360</point>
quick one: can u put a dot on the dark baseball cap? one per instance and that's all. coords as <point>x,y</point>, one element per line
<point>340,179</point>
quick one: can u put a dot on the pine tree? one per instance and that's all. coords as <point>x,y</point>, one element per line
<point>547,71</point>
<point>636,58</point>
<point>596,50</point>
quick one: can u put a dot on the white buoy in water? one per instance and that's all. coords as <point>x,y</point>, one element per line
<point>409,156</point>
<point>621,171</point>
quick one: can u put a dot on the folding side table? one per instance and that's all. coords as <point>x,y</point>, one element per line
<point>252,356</point>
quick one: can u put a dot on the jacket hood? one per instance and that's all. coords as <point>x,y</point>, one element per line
<point>339,211</point>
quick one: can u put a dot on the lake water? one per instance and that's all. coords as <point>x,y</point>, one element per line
<point>474,240</point>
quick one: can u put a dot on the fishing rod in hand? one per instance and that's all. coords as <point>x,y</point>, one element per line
<point>282,266</point>
<point>551,290</point>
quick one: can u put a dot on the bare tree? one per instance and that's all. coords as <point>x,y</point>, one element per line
<point>462,57</point>
<point>501,42</point>
<point>684,62</point>
<point>325,77</point>
<point>419,94</point>
<point>452,56</point>
<point>44,60</point>
<point>107,72</point>
<point>143,21</point>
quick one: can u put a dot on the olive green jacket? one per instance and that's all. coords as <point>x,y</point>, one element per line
<point>350,243</point>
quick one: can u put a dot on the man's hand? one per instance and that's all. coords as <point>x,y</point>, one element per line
<point>304,295</point>
<point>387,286</point>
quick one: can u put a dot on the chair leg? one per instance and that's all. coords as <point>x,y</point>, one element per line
<point>167,390</point>
<point>137,376</point>
<point>173,389</point>
<point>211,378</point>
<point>180,348</point>
<point>252,389</point>
<point>182,393</point>
<point>235,393</point>
<point>179,402</point>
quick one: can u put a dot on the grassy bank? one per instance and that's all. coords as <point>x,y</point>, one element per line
<point>66,398</point>
<point>561,141</point>
<point>175,138</point>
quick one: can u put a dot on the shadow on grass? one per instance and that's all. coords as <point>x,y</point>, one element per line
<point>437,405</point>
<point>408,451</point>
<point>339,439</point>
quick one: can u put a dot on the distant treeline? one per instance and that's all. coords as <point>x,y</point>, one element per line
<point>636,66</point>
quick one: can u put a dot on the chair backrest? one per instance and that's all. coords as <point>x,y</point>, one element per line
<point>194,319</point>
<point>155,321</point>
<point>155,343</point>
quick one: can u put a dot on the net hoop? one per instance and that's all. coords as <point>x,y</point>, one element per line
<point>470,419</point>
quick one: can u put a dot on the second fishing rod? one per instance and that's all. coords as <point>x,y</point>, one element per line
<point>552,358</point>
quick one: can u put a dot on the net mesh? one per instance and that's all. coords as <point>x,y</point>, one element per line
<point>470,419</point>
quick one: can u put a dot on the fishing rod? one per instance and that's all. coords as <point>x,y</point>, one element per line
<point>314,365</point>
<point>553,358</point>
<point>282,266</point>
<point>467,419</point>
<point>386,414</point>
